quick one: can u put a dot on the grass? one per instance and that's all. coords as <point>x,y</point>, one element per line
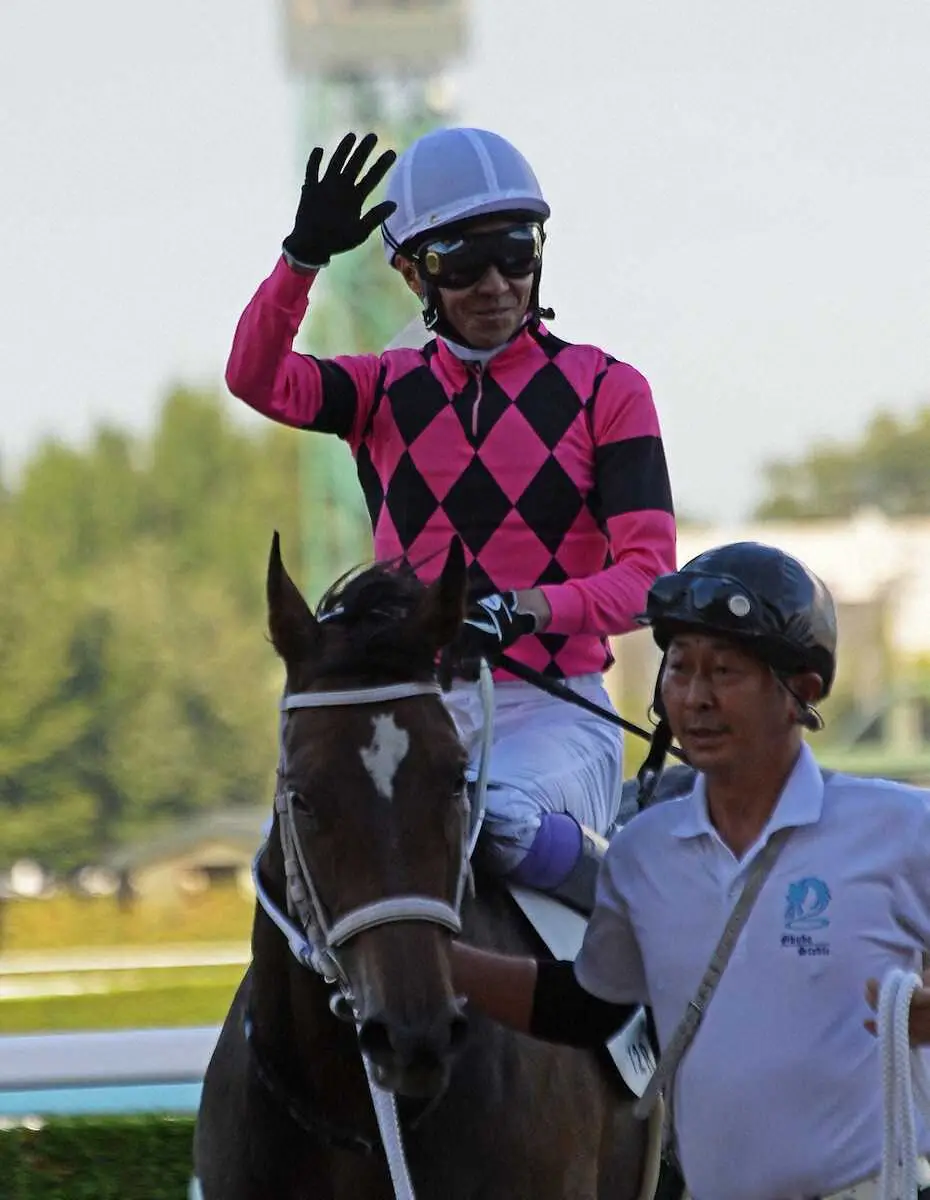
<point>98,1158</point>
<point>157,1007</point>
<point>129,1000</point>
<point>122,999</point>
<point>68,922</point>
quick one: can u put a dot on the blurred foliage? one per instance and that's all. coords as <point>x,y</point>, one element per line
<point>98,1158</point>
<point>137,686</point>
<point>885,469</point>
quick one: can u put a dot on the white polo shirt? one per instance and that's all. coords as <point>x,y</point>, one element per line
<point>779,1095</point>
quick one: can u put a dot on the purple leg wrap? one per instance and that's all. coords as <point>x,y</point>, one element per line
<point>554,852</point>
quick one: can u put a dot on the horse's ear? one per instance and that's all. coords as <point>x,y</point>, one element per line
<point>442,609</point>
<point>293,628</point>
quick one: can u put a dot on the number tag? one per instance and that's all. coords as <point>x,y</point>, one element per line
<point>632,1052</point>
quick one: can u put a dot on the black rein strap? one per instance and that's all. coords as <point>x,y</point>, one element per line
<point>556,688</point>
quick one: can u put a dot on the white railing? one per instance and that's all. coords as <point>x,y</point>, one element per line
<point>112,1058</point>
<point>122,958</point>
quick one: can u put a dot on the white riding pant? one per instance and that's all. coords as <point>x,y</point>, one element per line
<point>547,755</point>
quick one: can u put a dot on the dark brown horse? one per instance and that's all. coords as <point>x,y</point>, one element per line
<point>365,862</point>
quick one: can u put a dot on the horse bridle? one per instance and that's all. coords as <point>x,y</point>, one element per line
<point>313,938</point>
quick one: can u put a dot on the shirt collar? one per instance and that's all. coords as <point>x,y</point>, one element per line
<point>800,802</point>
<point>470,354</point>
<point>465,354</point>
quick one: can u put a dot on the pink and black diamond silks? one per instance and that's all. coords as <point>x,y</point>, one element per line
<point>547,462</point>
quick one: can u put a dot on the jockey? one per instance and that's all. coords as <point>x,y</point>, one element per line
<point>779,1093</point>
<point>544,457</point>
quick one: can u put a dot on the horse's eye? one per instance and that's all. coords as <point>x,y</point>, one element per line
<point>301,804</point>
<point>306,814</point>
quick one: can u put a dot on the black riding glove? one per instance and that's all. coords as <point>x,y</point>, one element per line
<point>329,216</point>
<point>491,626</point>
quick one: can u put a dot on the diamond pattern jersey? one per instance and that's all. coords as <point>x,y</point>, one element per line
<point>547,462</point>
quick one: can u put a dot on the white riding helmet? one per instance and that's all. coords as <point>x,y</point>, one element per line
<point>449,175</point>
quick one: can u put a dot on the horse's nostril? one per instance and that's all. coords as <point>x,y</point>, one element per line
<point>458,1032</point>
<point>374,1038</point>
<point>383,1042</point>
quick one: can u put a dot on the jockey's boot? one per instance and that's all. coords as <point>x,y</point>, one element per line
<point>578,887</point>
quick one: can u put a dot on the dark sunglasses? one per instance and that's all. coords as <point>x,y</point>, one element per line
<point>460,262</point>
<point>722,602</point>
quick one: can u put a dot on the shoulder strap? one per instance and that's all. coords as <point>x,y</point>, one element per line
<point>688,1025</point>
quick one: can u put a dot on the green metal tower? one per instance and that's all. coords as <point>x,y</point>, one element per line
<point>362,64</point>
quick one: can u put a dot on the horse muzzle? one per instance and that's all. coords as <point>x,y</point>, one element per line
<point>413,1058</point>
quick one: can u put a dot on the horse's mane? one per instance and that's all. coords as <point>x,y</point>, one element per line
<point>370,607</point>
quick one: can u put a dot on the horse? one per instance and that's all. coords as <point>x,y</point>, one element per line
<point>368,853</point>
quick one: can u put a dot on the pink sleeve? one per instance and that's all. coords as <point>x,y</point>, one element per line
<point>635,498</point>
<point>330,395</point>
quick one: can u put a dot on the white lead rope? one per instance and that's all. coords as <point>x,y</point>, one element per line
<point>904,1081</point>
<point>385,1106</point>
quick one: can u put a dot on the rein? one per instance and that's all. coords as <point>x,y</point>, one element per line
<point>556,688</point>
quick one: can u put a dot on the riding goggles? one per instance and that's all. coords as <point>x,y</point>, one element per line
<point>460,262</point>
<point>714,601</point>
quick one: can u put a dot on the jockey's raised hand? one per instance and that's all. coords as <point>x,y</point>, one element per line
<point>329,217</point>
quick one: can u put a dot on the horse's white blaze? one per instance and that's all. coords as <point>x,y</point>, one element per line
<point>388,749</point>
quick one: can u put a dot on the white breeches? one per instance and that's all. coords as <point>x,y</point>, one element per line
<point>547,756</point>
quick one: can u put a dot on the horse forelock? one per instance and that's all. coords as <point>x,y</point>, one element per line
<point>389,586</point>
<point>368,634</point>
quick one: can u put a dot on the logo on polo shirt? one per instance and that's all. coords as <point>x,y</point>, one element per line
<point>805,904</point>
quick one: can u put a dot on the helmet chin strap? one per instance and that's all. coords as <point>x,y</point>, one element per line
<point>808,716</point>
<point>650,772</point>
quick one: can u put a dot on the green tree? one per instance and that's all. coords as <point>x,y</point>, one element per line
<point>136,681</point>
<point>885,469</point>
<point>215,493</point>
<point>184,713</point>
<point>42,804</point>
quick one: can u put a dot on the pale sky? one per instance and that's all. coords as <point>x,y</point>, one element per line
<point>740,188</point>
